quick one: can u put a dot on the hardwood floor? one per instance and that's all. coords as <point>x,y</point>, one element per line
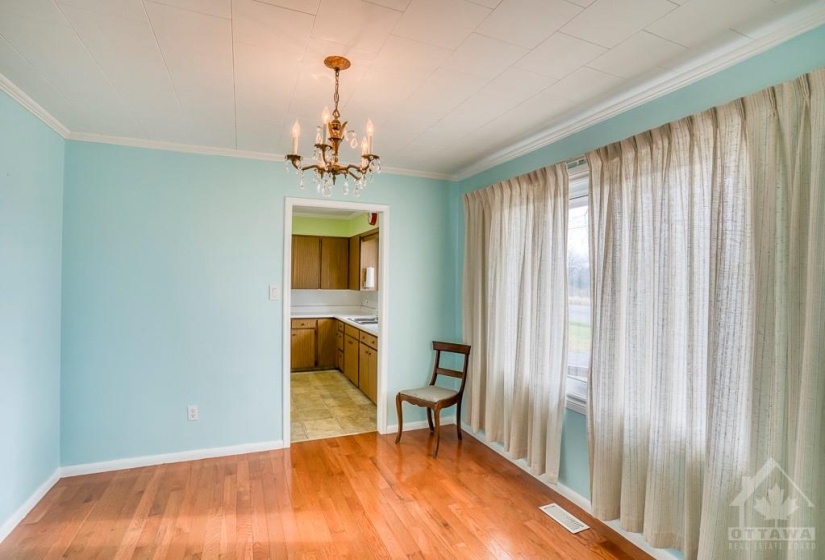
<point>358,496</point>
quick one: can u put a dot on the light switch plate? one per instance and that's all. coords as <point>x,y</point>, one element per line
<point>274,292</point>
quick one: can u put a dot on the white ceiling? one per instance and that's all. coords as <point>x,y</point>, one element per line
<point>450,84</point>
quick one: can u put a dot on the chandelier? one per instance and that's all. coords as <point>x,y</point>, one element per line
<point>329,137</point>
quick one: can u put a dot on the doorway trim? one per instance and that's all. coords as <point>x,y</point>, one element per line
<point>383,303</point>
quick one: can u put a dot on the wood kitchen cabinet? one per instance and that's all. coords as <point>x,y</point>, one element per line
<point>368,366</point>
<point>354,282</point>
<point>334,263</point>
<point>303,347</point>
<point>320,262</point>
<point>369,257</point>
<point>363,252</point>
<point>326,344</point>
<point>339,338</point>
<point>351,351</point>
<point>306,262</point>
<point>313,344</point>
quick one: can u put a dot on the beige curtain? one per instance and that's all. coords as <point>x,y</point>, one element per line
<point>708,248</point>
<point>515,314</point>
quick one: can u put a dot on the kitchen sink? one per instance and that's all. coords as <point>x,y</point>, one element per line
<point>366,320</point>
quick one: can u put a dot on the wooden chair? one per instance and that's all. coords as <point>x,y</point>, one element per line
<point>434,397</point>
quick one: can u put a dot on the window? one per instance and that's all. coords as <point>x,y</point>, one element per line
<point>578,295</point>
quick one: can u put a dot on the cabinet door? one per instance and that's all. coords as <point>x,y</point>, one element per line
<point>303,349</point>
<point>327,347</point>
<point>306,262</point>
<point>334,263</point>
<point>368,372</point>
<point>339,355</point>
<point>369,256</point>
<point>355,263</point>
<point>351,359</point>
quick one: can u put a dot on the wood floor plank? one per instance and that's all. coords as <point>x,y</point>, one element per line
<point>359,497</point>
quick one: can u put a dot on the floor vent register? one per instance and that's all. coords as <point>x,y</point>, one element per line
<point>563,518</point>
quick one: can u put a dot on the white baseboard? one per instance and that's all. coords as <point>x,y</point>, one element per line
<point>150,460</point>
<point>419,424</point>
<point>635,538</point>
<point>9,524</point>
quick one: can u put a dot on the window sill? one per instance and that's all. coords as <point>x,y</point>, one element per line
<point>576,394</point>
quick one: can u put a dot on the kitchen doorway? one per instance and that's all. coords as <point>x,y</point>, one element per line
<point>340,330</point>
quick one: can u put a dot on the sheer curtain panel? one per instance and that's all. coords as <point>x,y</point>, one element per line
<point>515,314</point>
<point>708,369</point>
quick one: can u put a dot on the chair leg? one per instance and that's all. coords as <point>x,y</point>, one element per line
<point>430,418</point>
<point>458,419</point>
<point>400,417</point>
<point>437,414</point>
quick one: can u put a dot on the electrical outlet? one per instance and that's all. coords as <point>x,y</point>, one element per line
<point>192,412</point>
<point>274,292</point>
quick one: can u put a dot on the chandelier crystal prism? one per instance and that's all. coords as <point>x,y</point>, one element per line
<point>329,137</point>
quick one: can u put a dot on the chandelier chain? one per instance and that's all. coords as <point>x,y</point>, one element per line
<point>335,97</point>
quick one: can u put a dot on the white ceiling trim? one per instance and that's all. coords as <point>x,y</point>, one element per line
<point>32,106</point>
<point>712,62</point>
<point>226,152</point>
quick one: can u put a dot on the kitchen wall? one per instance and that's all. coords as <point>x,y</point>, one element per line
<point>31,216</point>
<point>310,225</point>
<point>167,259</point>
<point>350,301</point>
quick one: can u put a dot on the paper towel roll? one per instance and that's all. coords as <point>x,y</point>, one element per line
<point>369,278</point>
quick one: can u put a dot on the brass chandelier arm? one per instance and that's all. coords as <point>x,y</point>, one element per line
<point>354,171</point>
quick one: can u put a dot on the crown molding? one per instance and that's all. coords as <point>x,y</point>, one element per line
<point>32,106</point>
<point>226,152</point>
<point>172,146</point>
<point>711,62</point>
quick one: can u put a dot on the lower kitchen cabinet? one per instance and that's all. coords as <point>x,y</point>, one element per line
<point>326,344</point>
<point>303,347</point>
<point>351,348</point>
<point>368,371</point>
<point>339,350</point>
<point>313,344</point>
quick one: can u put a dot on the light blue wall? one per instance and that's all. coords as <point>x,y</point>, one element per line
<point>167,259</point>
<point>31,215</point>
<point>795,57</point>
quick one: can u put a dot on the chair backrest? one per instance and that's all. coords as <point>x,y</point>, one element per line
<point>452,348</point>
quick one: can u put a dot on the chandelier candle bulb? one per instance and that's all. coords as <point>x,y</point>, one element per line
<point>325,118</point>
<point>370,132</point>
<point>296,133</point>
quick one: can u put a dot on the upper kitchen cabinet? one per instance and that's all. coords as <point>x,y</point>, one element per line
<point>320,262</point>
<point>334,263</point>
<point>363,256</point>
<point>306,262</point>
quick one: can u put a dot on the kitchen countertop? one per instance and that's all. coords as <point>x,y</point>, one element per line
<point>341,316</point>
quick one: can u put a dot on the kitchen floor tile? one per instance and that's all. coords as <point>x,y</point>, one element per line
<point>320,398</point>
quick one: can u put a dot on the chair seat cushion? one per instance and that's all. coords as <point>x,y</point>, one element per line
<point>432,393</point>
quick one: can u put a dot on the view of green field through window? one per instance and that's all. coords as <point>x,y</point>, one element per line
<point>578,286</point>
